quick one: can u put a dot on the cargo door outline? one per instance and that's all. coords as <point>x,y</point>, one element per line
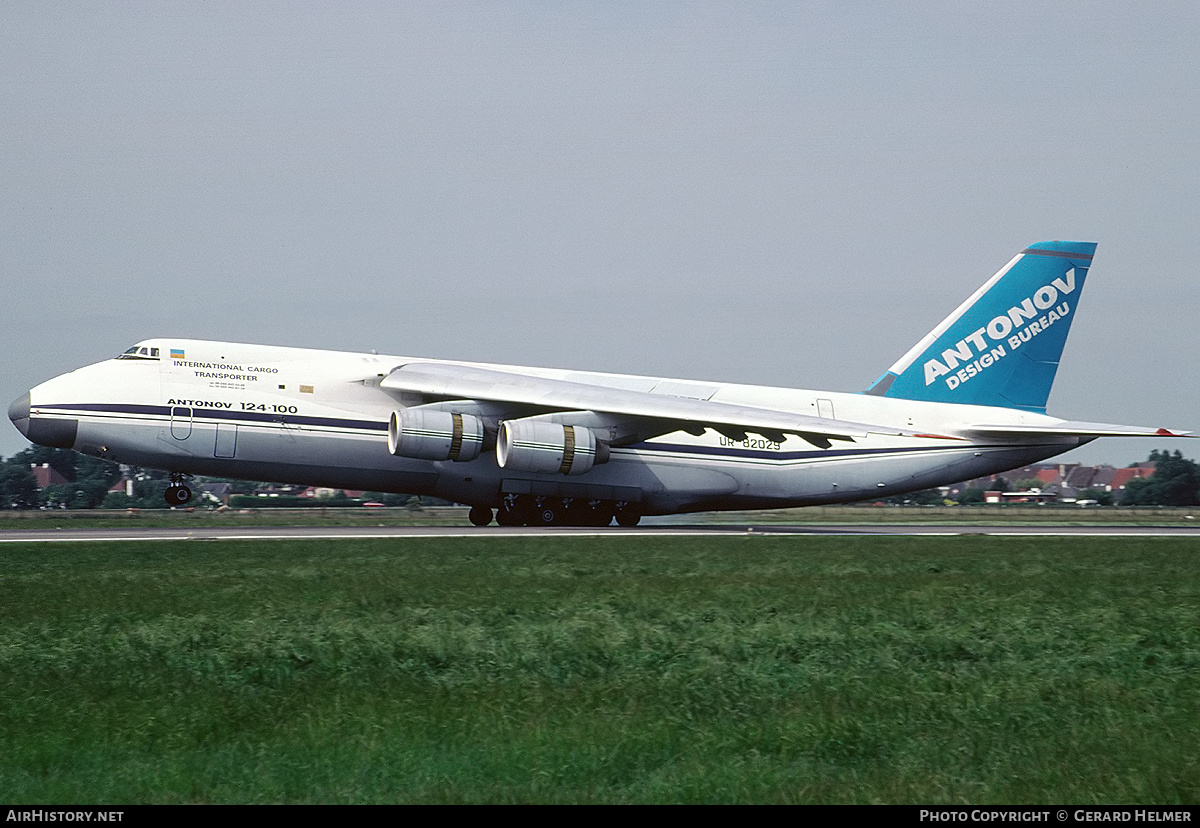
<point>225,444</point>
<point>181,422</point>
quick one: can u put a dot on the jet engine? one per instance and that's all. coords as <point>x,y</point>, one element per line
<point>540,446</point>
<point>435,435</point>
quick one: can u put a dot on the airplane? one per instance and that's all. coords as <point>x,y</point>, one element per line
<point>544,446</point>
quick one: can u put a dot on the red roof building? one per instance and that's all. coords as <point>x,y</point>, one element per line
<point>47,475</point>
<point>1121,477</point>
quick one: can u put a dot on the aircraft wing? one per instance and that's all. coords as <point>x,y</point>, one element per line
<point>656,413</point>
<point>1067,428</point>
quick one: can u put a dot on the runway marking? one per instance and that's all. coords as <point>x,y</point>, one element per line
<point>116,535</point>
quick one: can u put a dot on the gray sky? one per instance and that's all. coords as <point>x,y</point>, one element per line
<point>778,193</point>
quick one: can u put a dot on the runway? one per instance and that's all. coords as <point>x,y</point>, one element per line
<point>416,532</point>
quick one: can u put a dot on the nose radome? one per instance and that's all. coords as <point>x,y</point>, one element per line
<point>18,412</point>
<point>55,432</point>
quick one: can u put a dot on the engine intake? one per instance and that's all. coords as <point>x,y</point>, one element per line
<point>548,448</point>
<point>435,435</point>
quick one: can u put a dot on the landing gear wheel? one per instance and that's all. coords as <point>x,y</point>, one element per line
<point>480,515</point>
<point>627,515</point>
<point>600,513</point>
<point>548,513</point>
<point>582,512</point>
<point>574,512</point>
<point>508,514</point>
<point>177,495</point>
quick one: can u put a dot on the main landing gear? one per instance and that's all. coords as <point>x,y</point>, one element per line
<point>178,494</point>
<point>529,510</point>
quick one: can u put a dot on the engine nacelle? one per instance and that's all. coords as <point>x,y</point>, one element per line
<point>548,448</point>
<point>435,435</point>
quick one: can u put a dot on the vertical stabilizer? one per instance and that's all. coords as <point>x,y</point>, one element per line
<point>1002,346</point>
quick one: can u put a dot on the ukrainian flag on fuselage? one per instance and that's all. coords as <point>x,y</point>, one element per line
<point>1002,346</point>
<point>177,354</point>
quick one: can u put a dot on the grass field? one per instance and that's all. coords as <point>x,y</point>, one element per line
<point>1061,515</point>
<point>634,669</point>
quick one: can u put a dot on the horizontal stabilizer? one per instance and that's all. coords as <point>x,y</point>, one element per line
<point>1067,428</point>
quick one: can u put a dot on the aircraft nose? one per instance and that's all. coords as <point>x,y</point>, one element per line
<point>55,432</point>
<point>18,412</point>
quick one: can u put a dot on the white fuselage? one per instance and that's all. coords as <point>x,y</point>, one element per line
<point>321,418</point>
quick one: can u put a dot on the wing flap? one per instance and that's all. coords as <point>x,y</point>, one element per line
<point>456,381</point>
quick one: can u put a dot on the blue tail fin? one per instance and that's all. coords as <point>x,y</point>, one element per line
<point>1002,346</point>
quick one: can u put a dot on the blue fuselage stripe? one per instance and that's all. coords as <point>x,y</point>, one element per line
<point>220,414</point>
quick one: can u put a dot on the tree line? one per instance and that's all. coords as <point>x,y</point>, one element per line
<point>89,480</point>
<point>1175,482</point>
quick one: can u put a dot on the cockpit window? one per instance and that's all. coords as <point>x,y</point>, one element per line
<point>140,352</point>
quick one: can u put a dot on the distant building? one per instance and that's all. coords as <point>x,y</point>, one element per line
<point>277,490</point>
<point>218,491</point>
<point>123,486</point>
<point>1031,496</point>
<point>47,475</point>
<point>1121,477</point>
<point>1060,481</point>
<point>321,492</point>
